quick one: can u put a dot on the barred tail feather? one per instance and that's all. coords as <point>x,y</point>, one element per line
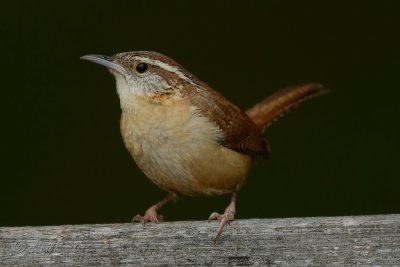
<point>275,106</point>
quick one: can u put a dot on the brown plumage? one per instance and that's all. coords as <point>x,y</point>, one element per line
<point>243,130</point>
<point>278,104</point>
<point>187,138</point>
<point>240,132</point>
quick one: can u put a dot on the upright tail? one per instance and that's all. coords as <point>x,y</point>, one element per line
<point>275,106</point>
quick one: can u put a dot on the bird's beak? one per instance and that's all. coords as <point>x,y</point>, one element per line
<point>106,61</point>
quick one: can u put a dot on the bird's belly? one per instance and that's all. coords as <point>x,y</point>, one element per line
<point>180,153</point>
<point>195,170</point>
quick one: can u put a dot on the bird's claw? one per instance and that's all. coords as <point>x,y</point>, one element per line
<point>149,216</point>
<point>214,216</point>
<point>224,219</point>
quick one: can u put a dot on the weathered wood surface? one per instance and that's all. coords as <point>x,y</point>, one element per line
<point>333,241</point>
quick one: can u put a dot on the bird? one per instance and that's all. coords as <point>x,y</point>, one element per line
<point>186,137</point>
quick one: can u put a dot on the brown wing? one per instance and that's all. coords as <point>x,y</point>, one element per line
<point>240,132</point>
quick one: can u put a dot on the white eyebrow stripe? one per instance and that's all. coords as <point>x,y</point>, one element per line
<point>165,66</point>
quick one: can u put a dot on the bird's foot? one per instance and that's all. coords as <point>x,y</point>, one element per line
<point>149,216</point>
<point>224,219</point>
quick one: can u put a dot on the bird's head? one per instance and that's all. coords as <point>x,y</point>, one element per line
<point>143,73</point>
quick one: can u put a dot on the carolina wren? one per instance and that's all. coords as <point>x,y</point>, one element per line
<point>187,138</point>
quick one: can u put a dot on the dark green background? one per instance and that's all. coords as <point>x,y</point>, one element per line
<point>62,157</point>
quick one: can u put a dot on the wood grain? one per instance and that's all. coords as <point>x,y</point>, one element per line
<point>332,241</point>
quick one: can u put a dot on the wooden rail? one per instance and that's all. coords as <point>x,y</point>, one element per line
<point>333,241</point>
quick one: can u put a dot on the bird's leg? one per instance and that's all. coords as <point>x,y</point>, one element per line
<point>225,218</point>
<point>151,213</point>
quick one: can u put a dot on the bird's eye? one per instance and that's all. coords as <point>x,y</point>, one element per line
<point>141,67</point>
